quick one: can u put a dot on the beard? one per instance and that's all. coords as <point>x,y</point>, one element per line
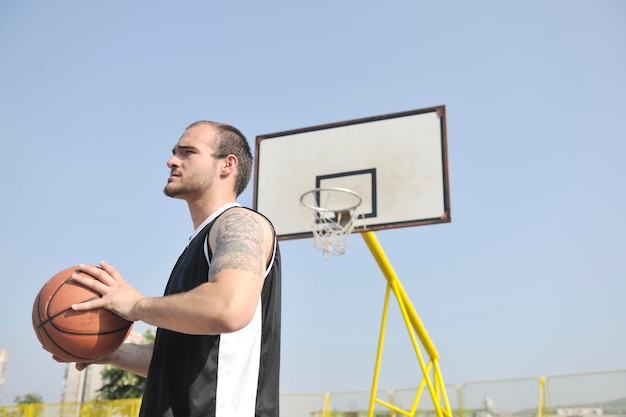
<point>185,186</point>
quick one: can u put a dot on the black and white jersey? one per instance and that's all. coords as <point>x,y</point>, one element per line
<point>231,374</point>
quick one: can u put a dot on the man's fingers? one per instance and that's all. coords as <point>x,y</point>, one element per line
<point>89,305</point>
<point>97,273</point>
<point>105,266</point>
<point>90,282</point>
<point>81,366</point>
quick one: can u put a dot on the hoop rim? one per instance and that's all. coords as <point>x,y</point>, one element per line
<point>323,210</point>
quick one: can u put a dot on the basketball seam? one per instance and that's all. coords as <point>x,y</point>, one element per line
<point>124,328</point>
<point>62,349</point>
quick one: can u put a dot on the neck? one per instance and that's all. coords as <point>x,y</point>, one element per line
<point>200,209</point>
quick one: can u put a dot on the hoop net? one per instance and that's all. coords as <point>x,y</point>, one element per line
<point>332,213</point>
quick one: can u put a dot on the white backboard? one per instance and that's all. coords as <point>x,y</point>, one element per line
<point>397,163</point>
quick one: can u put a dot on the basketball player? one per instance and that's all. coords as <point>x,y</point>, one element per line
<point>217,345</point>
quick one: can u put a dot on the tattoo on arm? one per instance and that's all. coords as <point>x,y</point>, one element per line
<point>238,245</point>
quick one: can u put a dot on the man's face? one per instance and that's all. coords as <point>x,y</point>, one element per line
<point>192,165</point>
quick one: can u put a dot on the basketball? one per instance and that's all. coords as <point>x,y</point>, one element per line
<point>75,336</point>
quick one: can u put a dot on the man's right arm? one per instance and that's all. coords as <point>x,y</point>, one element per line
<point>131,357</point>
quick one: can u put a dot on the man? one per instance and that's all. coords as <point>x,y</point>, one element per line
<point>217,347</point>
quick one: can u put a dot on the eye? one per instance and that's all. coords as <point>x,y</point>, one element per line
<point>186,151</point>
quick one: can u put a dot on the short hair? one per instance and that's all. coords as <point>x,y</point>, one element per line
<point>230,141</point>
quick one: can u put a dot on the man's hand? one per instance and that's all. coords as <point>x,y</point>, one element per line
<point>117,295</point>
<point>82,365</point>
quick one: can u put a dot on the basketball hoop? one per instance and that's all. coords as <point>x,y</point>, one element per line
<point>333,214</point>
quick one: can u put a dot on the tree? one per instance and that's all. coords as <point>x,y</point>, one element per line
<point>30,404</point>
<point>119,384</point>
<point>31,398</point>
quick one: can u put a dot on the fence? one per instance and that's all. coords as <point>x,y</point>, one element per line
<point>572,395</point>
<point>114,408</point>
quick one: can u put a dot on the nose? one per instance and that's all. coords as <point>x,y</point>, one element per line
<point>173,162</point>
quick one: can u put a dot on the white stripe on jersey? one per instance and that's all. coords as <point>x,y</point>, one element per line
<point>239,360</point>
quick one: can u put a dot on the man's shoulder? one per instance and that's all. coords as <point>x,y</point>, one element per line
<point>244,220</point>
<point>241,227</point>
<point>241,212</point>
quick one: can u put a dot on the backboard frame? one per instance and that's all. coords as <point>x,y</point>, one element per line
<point>445,216</point>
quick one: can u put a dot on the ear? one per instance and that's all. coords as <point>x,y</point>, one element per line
<point>229,164</point>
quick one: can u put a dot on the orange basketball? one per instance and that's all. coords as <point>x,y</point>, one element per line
<point>75,336</point>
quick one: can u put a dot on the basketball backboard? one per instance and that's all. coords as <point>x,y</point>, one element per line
<point>397,163</point>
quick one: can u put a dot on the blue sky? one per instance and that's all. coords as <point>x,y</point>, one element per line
<point>527,279</point>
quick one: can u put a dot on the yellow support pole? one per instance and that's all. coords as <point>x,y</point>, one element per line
<point>439,377</point>
<point>379,352</point>
<point>326,412</point>
<point>437,389</point>
<point>392,278</point>
<point>540,406</point>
